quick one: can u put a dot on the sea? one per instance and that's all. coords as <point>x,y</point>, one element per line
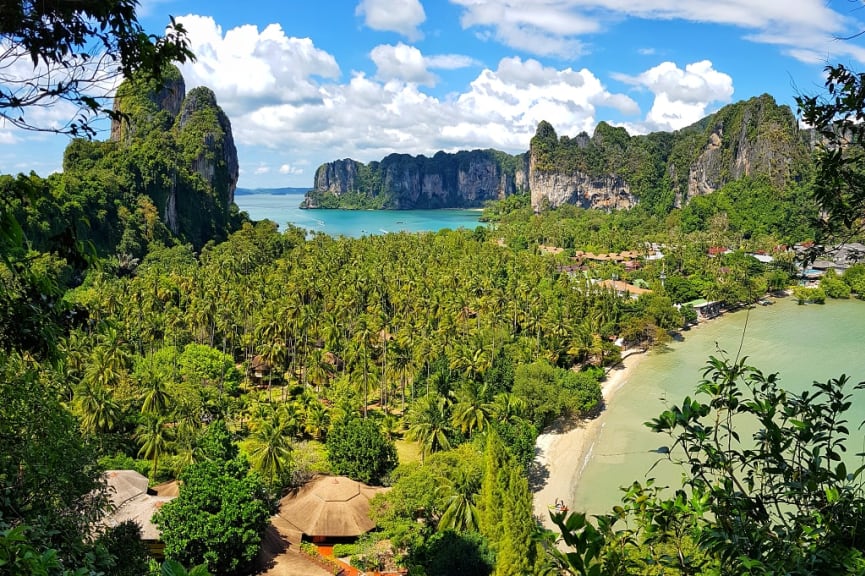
<point>803,344</point>
<point>283,209</point>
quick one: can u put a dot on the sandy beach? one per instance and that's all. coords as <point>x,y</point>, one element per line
<point>562,454</point>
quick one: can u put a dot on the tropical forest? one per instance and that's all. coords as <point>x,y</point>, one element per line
<point>148,325</point>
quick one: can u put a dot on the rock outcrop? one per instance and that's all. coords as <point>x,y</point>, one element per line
<point>205,131</point>
<point>461,180</point>
<point>611,169</point>
<point>755,137</point>
<point>189,165</point>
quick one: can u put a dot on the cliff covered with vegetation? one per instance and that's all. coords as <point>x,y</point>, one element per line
<point>169,170</point>
<point>608,170</point>
<point>465,179</point>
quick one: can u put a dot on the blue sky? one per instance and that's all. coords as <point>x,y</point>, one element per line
<point>308,82</point>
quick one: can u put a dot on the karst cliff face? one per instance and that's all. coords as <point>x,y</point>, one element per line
<point>609,170</point>
<point>185,146</point>
<point>612,170</point>
<point>205,132</point>
<point>554,188</point>
<point>751,138</point>
<point>461,180</point>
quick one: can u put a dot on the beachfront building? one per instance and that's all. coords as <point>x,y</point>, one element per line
<point>623,288</point>
<point>705,309</point>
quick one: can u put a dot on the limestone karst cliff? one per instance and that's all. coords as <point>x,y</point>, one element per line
<point>461,180</point>
<point>182,149</point>
<point>608,170</point>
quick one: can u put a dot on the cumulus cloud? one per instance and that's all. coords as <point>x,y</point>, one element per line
<point>401,16</point>
<point>407,64</point>
<point>544,27</point>
<point>681,97</point>
<point>368,118</point>
<point>401,62</point>
<point>536,26</point>
<point>248,67</point>
<point>262,169</point>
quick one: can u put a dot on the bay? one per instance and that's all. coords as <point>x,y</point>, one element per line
<point>802,343</point>
<point>283,209</point>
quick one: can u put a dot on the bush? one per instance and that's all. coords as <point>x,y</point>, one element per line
<point>343,550</point>
<point>833,286</point>
<point>358,449</point>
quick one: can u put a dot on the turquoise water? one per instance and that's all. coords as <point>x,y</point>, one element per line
<point>802,343</point>
<point>283,209</point>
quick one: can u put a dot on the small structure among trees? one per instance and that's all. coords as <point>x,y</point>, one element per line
<point>328,508</point>
<point>132,500</point>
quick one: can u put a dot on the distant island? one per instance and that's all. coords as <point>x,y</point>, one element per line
<point>272,191</point>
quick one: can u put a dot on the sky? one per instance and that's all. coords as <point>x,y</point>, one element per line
<point>306,82</point>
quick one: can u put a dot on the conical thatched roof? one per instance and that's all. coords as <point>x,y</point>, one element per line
<point>330,507</point>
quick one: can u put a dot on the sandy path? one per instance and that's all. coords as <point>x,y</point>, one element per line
<point>562,454</point>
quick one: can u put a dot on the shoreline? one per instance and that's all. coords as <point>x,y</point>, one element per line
<point>562,455</point>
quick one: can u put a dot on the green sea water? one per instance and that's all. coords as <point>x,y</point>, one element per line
<point>283,209</point>
<point>801,343</point>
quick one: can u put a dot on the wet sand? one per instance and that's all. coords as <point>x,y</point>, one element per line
<point>562,454</point>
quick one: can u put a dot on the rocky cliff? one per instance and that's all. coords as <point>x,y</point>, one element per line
<point>204,132</point>
<point>608,170</point>
<point>612,169</point>
<point>181,148</point>
<point>461,180</point>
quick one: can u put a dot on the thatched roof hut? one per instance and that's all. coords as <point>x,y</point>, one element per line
<point>329,507</point>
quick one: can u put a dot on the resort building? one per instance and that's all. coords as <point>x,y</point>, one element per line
<point>704,308</point>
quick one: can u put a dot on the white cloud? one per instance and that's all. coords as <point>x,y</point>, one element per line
<point>407,64</point>
<point>402,16</point>
<point>368,118</point>
<point>262,169</point>
<point>682,97</point>
<point>7,137</point>
<point>248,68</point>
<point>288,169</point>
<point>450,61</point>
<point>554,27</point>
<point>401,62</point>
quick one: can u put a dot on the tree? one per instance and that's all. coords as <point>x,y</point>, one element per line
<point>837,118</point>
<point>460,513</point>
<point>428,424</point>
<point>358,449</point>
<point>451,553</point>
<point>49,474</point>
<point>154,436</point>
<point>271,451</point>
<point>218,518</point>
<point>54,52</point>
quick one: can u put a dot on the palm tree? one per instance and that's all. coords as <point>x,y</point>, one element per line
<point>317,420</point>
<point>429,425</point>
<point>270,452</point>
<point>507,406</point>
<point>471,411</point>
<point>99,411</point>
<point>154,438</point>
<point>460,513</point>
<point>155,396</point>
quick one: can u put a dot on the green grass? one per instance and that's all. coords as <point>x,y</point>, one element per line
<point>407,451</point>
